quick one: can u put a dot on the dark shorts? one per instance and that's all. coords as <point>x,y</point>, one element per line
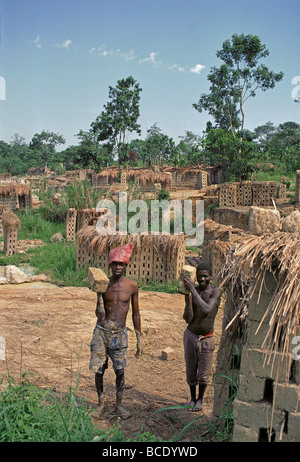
<point>198,353</point>
<point>108,343</point>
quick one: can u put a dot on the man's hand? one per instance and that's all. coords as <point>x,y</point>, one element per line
<point>188,283</point>
<point>139,343</point>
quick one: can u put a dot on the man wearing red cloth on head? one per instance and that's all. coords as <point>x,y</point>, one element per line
<point>110,334</point>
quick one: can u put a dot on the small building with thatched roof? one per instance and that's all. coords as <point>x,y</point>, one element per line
<point>11,223</point>
<point>155,257</point>
<point>77,219</point>
<point>15,196</point>
<point>144,179</point>
<point>257,367</point>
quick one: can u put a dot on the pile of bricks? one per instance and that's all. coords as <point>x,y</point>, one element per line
<point>245,193</point>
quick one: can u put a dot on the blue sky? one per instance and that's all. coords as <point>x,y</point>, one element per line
<point>58,58</point>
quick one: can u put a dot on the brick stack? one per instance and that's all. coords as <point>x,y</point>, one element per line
<point>269,388</point>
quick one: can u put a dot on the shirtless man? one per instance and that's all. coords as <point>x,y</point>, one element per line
<point>110,337</point>
<point>201,307</point>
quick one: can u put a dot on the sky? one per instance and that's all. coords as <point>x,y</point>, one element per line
<point>59,57</point>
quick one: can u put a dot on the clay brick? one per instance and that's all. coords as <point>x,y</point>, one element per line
<point>254,360</point>
<point>244,434</point>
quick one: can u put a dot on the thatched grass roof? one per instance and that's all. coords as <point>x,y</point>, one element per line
<point>254,256</point>
<point>164,244</point>
<point>145,176</point>
<point>11,221</point>
<point>15,189</point>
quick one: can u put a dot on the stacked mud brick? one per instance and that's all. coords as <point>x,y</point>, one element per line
<point>147,262</point>
<point>297,192</point>
<point>263,192</point>
<point>5,177</point>
<point>216,232</point>
<point>245,193</point>
<point>269,388</point>
<point>3,210</point>
<point>14,196</point>
<point>196,179</point>
<point>228,195</point>
<point>123,181</point>
<point>78,219</point>
<point>11,224</point>
<point>267,391</point>
<point>228,359</point>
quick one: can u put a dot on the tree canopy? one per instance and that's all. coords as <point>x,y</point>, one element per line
<point>233,83</point>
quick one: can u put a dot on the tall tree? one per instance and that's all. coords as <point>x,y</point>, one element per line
<point>234,82</point>
<point>46,142</point>
<point>120,115</point>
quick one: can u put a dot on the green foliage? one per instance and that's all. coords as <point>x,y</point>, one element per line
<point>79,195</point>
<point>29,414</point>
<point>163,194</point>
<point>232,84</point>
<point>45,143</point>
<point>120,115</point>
<point>59,261</point>
<point>34,226</point>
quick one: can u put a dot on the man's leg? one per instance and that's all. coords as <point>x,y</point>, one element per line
<point>99,384</point>
<point>120,383</point>
<point>193,395</point>
<point>199,402</point>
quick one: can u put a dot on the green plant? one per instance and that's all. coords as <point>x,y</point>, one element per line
<point>29,414</point>
<point>163,194</point>
<point>59,260</point>
<point>35,226</point>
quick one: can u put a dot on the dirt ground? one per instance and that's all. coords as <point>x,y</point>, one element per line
<point>47,331</point>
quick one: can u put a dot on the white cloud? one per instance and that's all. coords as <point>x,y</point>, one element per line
<point>151,58</point>
<point>37,42</point>
<point>197,69</point>
<point>176,67</point>
<point>117,54</point>
<point>66,44</point>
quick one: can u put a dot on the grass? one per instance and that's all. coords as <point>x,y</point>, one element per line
<point>34,226</point>
<point>29,414</point>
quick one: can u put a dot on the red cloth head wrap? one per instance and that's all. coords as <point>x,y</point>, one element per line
<point>122,254</point>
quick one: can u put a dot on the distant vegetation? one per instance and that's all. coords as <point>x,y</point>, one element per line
<point>224,141</point>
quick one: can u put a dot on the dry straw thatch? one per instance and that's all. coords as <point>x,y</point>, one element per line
<point>145,176</point>
<point>254,256</point>
<point>165,244</point>
<point>11,221</point>
<point>15,189</point>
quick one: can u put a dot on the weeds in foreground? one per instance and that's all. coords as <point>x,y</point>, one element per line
<point>29,414</point>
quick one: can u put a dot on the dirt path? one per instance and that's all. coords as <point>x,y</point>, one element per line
<point>48,329</point>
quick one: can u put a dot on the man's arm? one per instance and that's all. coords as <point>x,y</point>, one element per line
<point>100,313</point>
<point>188,310</point>
<point>204,306</point>
<point>136,318</point>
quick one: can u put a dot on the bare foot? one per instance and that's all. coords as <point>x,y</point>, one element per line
<point>122,412</point>
<point>100,408</point>
<point>191,404</point>
<point>198,405</point>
